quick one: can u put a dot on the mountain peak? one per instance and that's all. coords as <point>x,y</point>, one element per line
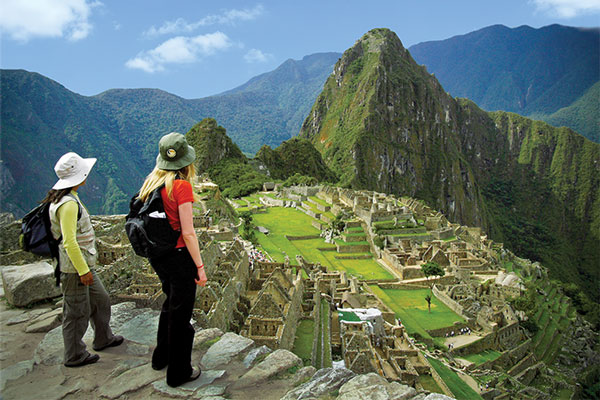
<point>375,38</point>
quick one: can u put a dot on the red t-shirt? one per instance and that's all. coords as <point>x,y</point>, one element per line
<point>182,193</point>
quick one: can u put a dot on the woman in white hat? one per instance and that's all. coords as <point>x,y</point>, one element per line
<point>85,297</point>
<point>181,269</point>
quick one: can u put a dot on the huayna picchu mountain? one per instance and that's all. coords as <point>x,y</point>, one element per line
<point>384,123</point>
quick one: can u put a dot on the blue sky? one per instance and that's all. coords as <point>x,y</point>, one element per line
<point>197,48</point>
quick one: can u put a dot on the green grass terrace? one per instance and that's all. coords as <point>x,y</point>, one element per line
<point>460,389</point>
<point>282,221</point>
<point>410,306</point>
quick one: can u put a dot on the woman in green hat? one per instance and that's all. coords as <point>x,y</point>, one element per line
<point>181,269</point>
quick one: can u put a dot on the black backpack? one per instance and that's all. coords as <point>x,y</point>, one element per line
<point>148,227</point>
<point>36,235</point>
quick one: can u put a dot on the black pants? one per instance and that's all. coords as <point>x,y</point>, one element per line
<point>177,272</point>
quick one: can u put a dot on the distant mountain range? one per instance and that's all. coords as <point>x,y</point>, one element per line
<point>532,72</point>
<point>41,119</point>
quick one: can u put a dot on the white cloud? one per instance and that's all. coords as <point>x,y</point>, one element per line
<point>227,17</point>
<point>568,8</point>
<point>256,56</point>
<point>179,50</point>
<point>23,20</point>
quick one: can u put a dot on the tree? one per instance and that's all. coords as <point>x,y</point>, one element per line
<point>431,268</point>
<point>248,226</point>
<point>338,223</point>
<point>428,300</point>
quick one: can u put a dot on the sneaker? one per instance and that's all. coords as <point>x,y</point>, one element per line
<point>90,359</point>
<point>117,340</point>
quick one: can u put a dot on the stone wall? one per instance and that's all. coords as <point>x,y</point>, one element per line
<point>522,365</point>
<point>441,332</point>
<point>271,202</point>
<point>221,235</point>
<point>356,248</point>
<point>222,314</point>
<point>308,211</point>
<point>453,305</point>
<point>294,314</point>
<point>305,237</point>
<point>302,190</point>
<point>316,316</point>
<point>485,343</point>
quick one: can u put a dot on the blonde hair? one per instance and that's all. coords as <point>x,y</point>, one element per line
<point>159,177</point>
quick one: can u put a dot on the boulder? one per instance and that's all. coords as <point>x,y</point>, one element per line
<point>373,387</point>
<point>204,335</point>
<point>274,364</point>
<point>304,374</point>
<point>45,322</point>
<point>254,354</point>
<point>222,352</point>
<point>323,382</point>
<point>130,381</point>
<point>26,284</point>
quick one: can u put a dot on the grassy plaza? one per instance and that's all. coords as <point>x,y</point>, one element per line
<point>410,306</point>
<point>282,221</point>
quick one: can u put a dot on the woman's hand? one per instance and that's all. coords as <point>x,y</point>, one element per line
<point>201,280</point>
<point>87,279</point>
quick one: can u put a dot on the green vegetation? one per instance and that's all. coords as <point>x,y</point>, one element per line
<point>304,340</point>
<point>293,156</point>
<point>248,226</point>
<point>460,389</point>
<point>430,269</point>
<point>463,72</point>
<point>413,311</point>
<point>582,116</point>
<point>430,384</point>
<point>484,356</point>
<point>299,224</point>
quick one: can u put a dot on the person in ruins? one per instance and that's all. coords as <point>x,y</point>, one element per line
<point>182,268</point>
<point>84,297</point>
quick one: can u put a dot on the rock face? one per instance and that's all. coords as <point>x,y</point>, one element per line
<point>125,371</point>
<point>26,284</point>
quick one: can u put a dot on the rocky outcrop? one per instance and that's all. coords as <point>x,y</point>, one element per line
<point>26,284</point>
<point>233,367</point>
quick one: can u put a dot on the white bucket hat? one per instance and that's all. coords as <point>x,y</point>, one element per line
<point>72,169</point>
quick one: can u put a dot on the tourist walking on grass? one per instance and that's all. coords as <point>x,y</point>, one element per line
<point>182,268</point>
<point>84,297</point>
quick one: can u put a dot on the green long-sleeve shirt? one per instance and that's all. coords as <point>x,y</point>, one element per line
<point>67,215</point>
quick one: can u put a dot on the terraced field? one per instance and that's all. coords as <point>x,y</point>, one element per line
<point>298,223</point>
<point>459,388</point>
<point>554,320</point>
<point>410,306</point>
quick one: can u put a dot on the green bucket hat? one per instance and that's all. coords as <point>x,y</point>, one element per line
<point>174,152</point>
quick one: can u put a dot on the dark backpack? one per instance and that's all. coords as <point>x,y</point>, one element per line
<point>148,227</point>
<point>36,235</point>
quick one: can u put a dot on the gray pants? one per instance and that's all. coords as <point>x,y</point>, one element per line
<point>83,304</point>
